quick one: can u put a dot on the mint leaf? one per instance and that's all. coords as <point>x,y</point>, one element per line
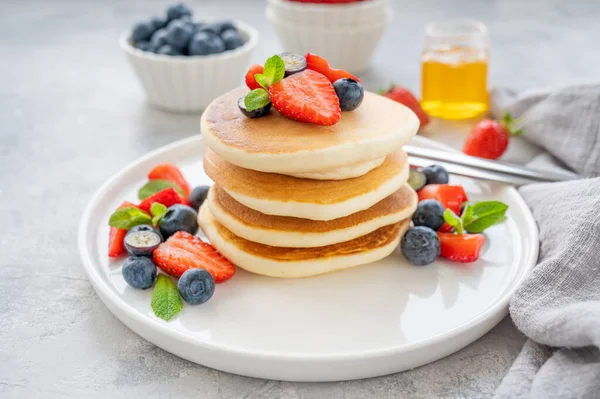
<point>154,186</point>
<point>453,220</point>
<point>157,210</point>
<point>483,215</point>
<point>273,72</point>
<point>126,218</point>
<point>467,213</point>
<point>256,99</point>
<point>166,302</point>
<point>261,80</point>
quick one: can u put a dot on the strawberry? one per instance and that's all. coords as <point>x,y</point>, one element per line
<point>489,139</point>
<point>183,251</point>
<point>167,197</point>
<point>451,197</point>
<point>320,64</point>
<point>250,80</point>
<point>116,246</point>
<point>461,247</point>
<point>306,96</point>
<point>170,172</point>
<point>405,97</point>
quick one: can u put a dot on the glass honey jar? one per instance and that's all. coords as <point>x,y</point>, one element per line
<point>454,67</point>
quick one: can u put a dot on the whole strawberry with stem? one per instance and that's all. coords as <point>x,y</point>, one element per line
<point>489,138</point>
<point>407,98</point>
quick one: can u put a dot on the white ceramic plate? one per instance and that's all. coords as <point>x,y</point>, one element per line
<point>363,322</point>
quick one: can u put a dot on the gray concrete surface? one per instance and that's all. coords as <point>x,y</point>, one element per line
<point>72,114</point>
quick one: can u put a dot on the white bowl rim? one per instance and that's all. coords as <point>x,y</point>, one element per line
<point>252,41</point>
<point>318,7</point>
<point>389,17</point>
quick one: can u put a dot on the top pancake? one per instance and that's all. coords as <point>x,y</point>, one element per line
<point>277,144</point>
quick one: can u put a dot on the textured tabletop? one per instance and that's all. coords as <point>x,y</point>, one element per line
<point>72,114</point>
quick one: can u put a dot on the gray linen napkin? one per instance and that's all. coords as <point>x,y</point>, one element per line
<point>558,306</point>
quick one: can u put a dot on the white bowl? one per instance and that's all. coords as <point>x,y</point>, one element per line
<point>347,48</point>
<point>189,84</point>
<point>351,15</point>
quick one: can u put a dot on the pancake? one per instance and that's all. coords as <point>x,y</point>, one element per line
<point>278,144</point>
<point>300,262</point>
<point>281,195</point>
<point>282,231</point>
<point>344,172</point>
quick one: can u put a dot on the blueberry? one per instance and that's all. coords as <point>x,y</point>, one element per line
<point>257,113</point>
<point>416,179</point>
<point>142,31</point>
<point>429,213</point>
<point>222,26</point>
<point>144,46</point>
<point>436,174</point>
<point>197,196</point>
<point>293,63</point>
<point>420,245</point>
<point>158,39</point>
<point>179,34</point>
<point>209,28</point>
<point>196,286</point>
<point>232,39</point>
<point>158,22</point>
<point>139,272</point>
<point>179,218</point>
<point>177,11</point>
<point>204,43</point>
<point>142,241</point>
<point>349,92</point>
<point>167,49</point>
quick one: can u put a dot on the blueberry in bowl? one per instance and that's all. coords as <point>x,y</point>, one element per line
<point>193,69</point>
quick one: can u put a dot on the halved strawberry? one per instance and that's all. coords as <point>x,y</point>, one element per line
<point>167,197</point>
<point>250,80</point>
<point>183,251</point>
<point>306,96</point>
<point>461,248</point>
<point>116,246</point>
<point>170,172</point>
<point>321,65</point>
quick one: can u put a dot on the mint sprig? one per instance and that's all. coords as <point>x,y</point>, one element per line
<point>155,186</point>
<point>454,220</point>
<point>157,210</point>
<point>479,216</point>
<point>476,217</point>
<point>128,217</point>
<point>165,302</point>
<point>273,72</point>
<point>256,99</point>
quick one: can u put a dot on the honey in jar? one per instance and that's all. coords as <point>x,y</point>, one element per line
<point>454,70</point>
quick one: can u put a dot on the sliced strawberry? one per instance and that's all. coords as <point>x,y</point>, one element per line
<point>183,251</point>
<point>461,248</point>
<point>306,96</point>
<point>321,65</point>
<point>451,197</point>
<point>167,197</point>
<point>170,172</point>
<point>116,246</point>
<point>250,80</point>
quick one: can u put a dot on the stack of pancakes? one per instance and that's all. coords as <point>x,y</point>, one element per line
<point>294,199</point>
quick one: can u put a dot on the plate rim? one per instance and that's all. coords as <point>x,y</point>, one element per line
<point>104,291</point>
